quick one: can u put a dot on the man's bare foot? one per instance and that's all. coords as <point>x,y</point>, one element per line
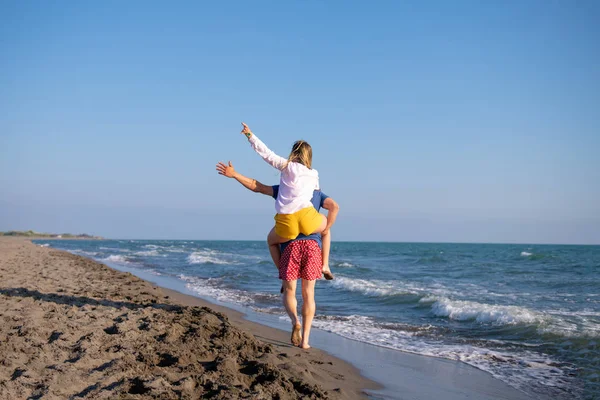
<point>296,336</point>
<point>327,273</point>
<point>304,346</point>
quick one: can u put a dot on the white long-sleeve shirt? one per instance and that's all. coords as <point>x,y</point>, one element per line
<point>296,184</point>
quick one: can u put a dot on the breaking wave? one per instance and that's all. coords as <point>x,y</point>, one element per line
<point>459,310</point>
<point>370,288</point>
<point>119,259</point>
<point>207,257</point>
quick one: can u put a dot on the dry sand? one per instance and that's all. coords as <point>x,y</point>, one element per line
<point>73,328</point>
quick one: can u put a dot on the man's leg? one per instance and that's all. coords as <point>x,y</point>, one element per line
<point>326,239</point>
<point>273,241</point>
<point>289,272</point>
<point>308,310</point>
<point>289,301</point>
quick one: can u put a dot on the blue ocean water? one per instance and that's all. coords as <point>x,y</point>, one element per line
<point>527,314</point>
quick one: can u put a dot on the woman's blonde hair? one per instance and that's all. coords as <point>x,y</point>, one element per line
<point>301,153</point>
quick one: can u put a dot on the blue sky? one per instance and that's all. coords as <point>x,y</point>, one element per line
<point>460,121</point>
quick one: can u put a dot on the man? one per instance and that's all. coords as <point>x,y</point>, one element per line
<point>300,258</point>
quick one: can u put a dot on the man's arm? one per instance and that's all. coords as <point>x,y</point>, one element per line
<point>248,183</point>
<point>332,211</point>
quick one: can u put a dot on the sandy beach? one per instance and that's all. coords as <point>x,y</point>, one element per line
<point>74,328</point>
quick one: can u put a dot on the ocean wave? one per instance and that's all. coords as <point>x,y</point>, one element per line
<point>119,259</point>
<point>207,257</point>
<point>535,256</point>
<point>343,264</point>
<point>419,292</point>
<point>170,249</point>
<point>115,249</point>
<point>460,310</point>
<point>45,245</point>
<point>85,253</point>
<point>210,256</point>
<point>209,288</point>
<point>175,250</point>
<point>148,253</point>
<point>583,324</point>
<point>428,299</point>
<point>275,310</point>
<point>582,313</point>
<point>370,288</point>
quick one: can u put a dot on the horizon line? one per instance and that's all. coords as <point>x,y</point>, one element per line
<point>345,241</point>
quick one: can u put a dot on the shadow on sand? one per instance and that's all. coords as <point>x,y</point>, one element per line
<point>80,301</point>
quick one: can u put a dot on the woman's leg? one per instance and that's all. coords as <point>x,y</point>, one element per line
<point>274,240</point>
<point>326,240</point>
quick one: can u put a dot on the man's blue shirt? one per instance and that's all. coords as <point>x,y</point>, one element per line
<point>317,200</point>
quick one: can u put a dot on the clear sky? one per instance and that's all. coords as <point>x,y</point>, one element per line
<point>430,121</point>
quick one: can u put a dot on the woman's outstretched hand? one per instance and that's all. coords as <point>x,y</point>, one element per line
<point>246,131</point>
<point>226,170</point>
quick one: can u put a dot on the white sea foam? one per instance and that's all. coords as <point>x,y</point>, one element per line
<point>573,324</point>
<point>115,249</point>
<point>119,259</point>
<point>148,253</point>
<point>526,254</point>
<point>370,288</point>
<point>45,245</point>
<point>582,313</point>
<point>170,249</point>
<point>208,288</point>
<point>345,264</point>
<point>85,253</point>
<point>395,287</point>
<point>459,310</point>
<point>521,370</point>
<point>210,256</point>
<point>428,299</point>
<point>175,250</point>
<point>207,257</point>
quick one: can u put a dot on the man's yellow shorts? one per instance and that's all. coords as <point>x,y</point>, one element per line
<point>305,221</point>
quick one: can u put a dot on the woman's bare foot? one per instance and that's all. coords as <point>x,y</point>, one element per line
<point>304,346</point>
<point>296,336</point>
<point>327,272</point>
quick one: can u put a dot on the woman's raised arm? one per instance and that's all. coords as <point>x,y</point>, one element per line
<point>267,154</point>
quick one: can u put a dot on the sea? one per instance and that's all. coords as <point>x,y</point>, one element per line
<point>527,314</point>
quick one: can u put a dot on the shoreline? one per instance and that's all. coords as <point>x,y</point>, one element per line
<point>397,374</point>
<point>381,372</point>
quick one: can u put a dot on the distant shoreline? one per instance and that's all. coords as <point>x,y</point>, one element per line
<point>40,235</point>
